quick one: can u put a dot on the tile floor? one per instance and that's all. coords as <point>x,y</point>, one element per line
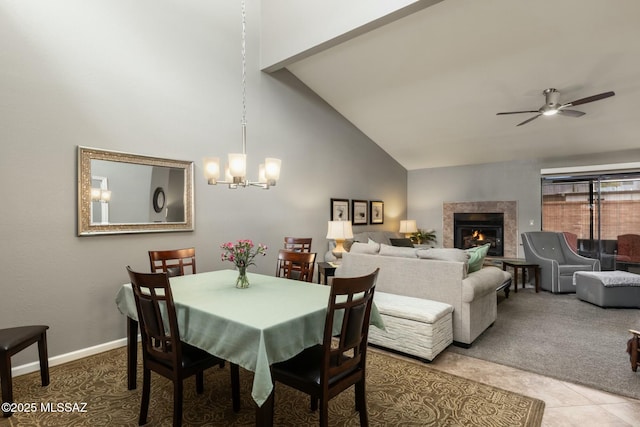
<point>566,404</point>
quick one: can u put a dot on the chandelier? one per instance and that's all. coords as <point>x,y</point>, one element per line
<point>236,169</point>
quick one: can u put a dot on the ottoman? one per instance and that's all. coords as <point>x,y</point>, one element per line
<point>608,288</point>
<point>414,326</point>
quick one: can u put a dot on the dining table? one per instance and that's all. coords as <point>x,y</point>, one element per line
<point>270,321</point>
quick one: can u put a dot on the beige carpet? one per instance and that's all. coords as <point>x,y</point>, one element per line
<point>399,392</point>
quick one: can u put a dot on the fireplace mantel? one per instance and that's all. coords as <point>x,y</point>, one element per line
<point>508,208</point>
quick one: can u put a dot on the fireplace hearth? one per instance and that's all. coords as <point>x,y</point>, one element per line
<point>479,228</point>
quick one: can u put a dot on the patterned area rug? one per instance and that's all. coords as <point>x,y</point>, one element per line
<point>399,392</point>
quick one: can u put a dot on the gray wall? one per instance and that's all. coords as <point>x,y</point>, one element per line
<point>428,189</point>
<point>157,78</point>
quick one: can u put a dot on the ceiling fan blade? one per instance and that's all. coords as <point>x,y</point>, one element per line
<point>589,99</point>
<point>571,113</point>
<point>528,120</point>
<point>516,112</point>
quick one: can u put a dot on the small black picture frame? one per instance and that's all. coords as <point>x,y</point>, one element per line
<point>340,210</point>
<point>376,212</point>
<point>359,213</point>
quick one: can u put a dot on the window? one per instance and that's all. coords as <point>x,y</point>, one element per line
<point>595,210</point>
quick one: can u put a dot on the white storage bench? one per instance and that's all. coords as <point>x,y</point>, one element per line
<point>415,326</point>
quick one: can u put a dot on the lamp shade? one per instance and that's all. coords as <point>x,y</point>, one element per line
<point>339,230</point>
<point>408,226</point>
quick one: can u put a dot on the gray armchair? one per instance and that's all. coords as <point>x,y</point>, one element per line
<point>557,261</point>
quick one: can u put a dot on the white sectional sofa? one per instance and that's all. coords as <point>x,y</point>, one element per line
<point>402,272</point>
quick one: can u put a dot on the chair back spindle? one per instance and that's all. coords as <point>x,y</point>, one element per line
<point>347,351</point>
<point>296,265</point>
<point>157,316</point>
<point>175,262</point>
<point>297,244</point>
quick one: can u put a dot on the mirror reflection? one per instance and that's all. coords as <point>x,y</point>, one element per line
<point>128,193</point>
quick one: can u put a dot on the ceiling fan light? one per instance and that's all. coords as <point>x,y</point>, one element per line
<point>550,112</point>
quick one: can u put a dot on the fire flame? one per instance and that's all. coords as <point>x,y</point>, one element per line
<point>477,235</point>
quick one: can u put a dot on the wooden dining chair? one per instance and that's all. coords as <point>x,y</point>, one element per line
<point>173,261</point>
<point>14,340</point>
<point>325,370</point>
<point>296,265</point>
<point>162,350</point>
<point>297,244</point>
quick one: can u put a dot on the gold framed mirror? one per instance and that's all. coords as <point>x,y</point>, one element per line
<point>122,193</point>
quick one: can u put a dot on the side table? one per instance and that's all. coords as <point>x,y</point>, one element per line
<point>523,265</point>
<point>325,270</point>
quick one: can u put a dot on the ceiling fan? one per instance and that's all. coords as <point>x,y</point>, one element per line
<point>552,106</point>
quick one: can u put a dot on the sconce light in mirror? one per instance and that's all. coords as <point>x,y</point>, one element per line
<point>98,195</point>
<point>128,193</point>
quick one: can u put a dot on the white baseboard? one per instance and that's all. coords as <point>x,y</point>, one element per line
<point>69,357</point>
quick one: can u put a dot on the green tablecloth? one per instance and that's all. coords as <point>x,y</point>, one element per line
<point>271,321</point>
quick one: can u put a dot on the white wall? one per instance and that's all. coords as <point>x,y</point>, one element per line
<point>291,28</point>
<point>159,78</point>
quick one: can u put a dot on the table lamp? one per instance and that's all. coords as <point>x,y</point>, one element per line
<point>339,231</point>
<point>408,227</point>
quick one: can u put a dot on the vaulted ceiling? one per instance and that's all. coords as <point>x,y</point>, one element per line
<point>427,87</point>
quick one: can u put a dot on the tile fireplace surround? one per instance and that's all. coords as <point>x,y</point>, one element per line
<point>510,231</point>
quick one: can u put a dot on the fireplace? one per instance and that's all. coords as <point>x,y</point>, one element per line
<point>509,209</point>
<point>477,229</point>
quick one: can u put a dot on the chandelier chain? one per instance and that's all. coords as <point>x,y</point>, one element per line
<point>244,65</point>
<point>269,171</point>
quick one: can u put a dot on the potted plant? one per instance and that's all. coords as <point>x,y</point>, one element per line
<point>423,236</point>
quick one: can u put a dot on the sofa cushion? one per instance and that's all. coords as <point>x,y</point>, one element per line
<point>365,248</point>
<point>418,309</point>
<point>376,236</point>
<point>476,257</point>
<point>387,250</point>
<point>443,254</point>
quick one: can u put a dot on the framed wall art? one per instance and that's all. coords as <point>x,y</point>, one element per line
<point>376,212</point>
<point>340,210</point>
<point>359,212</point>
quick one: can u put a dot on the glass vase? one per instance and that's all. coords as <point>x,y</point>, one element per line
<point>242,282</point>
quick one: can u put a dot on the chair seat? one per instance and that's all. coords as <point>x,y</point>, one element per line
<point>192,358</point>
<point>305,366</point>
<point>12,338</point>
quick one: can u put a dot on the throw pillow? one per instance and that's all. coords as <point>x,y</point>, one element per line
<point>443,254</point>
<point>347,245</point>
<point>476,257</point>
<point>364,248</point>
<point>397,251</point>
<point>375,245</point>
<point>404,242</point>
